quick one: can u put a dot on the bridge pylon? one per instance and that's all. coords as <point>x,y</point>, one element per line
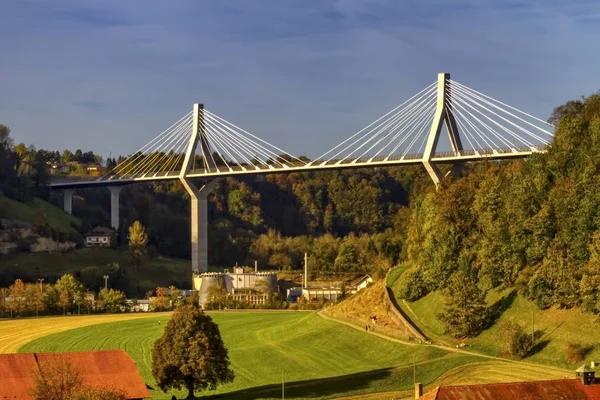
<point>443,114</point>
<point>198,197</point>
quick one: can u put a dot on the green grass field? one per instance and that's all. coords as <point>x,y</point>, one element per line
<point>319,359</point>
<point>90,264</point>
<point>37,212</point>
<point>554,327</point>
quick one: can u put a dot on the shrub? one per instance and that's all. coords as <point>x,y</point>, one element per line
<point>412,287</point>
<point>574,352</point>
<point>515,341</point>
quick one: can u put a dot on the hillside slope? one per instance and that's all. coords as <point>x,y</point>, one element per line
<point>554,327</point>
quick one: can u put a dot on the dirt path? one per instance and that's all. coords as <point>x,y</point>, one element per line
<point>445,348</point>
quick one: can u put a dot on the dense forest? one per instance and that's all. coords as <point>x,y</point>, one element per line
<point>531,224</point>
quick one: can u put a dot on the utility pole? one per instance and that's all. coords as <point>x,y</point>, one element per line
<point>414,370</point>
<point>106,282</point>
<point>532,329</point>
<point>282,386</point>
<point>41,281</point>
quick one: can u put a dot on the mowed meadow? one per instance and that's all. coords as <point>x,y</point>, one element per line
<point>316,358</point>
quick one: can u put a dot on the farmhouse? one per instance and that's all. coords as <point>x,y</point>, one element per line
<point>99,237</point>
<point>107,368</point>
<point>583,387</point>
<point>360,284</point>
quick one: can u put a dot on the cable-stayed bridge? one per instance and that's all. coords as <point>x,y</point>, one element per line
<point>201,144</point>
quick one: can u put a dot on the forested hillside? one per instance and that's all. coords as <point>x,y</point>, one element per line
<point>533,225</point>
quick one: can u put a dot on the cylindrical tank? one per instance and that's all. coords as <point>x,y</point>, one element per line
<point>208,283</point>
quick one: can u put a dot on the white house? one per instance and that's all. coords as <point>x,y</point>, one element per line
<point>99,237</point>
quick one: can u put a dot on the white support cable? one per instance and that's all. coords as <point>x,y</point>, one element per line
<point>143,149</point>
<point>479,132</point>
<point>392,122</point>
<point>236,144</point>
<point>503,140</point>
<point>374,122</point>
<point>240,145</point>
<point>421,149</point>
<point>462,100</point>
<point>396,123</point>
<point>215,142</point>
<point>411,129</point>
<point>368,132</point>
<point>257,138</point>
<point>474,127</point>
<point>176,153</point>
<point>425,137</point>
<point>223,144</point>
<point>178,137</point>
<point>466,132</point>
<point>473,104</point>
<point>132,165</point>
<point>173,165</point>
<point>506,105</point>
<point>240,138</point>
<point>411,123</point>
<point>419,130</point>
<point>157,153</point>
<point>499,116</point>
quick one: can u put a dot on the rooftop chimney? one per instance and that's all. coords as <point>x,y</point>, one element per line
<point>418,390</point>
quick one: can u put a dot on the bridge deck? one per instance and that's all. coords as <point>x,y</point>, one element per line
<point>317,165</point>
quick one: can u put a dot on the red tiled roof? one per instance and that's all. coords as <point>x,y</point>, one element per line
<point>100,231</point>
<point>562,389</point>
<point>109,368</point>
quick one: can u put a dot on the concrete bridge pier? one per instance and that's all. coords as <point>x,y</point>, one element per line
<point>114,206</point>
<point>68,200</point>
<point>199,223</point>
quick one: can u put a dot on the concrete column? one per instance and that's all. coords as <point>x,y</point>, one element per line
<point>114,206</point>
<point>68,200</point>
<point>443,114</point>
<point>199,223</point>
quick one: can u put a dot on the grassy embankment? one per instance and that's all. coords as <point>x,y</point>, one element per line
<point>38,212</point>
<point>554,327</point>
<point>319,359</point>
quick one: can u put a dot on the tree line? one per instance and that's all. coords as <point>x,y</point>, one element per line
<point>68,296</point>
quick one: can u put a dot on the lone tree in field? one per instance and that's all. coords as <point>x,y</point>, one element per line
<point>190,353</point>
<point>138,239</point>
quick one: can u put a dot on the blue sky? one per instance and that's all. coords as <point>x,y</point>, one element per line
<point>109,75</point>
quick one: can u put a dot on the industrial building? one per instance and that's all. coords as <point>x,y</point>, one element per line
<point>252,287</point>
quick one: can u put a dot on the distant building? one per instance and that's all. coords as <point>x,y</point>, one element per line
<point>360,284</point>
<point>249,287</point>
<point>100,237</point>
<point>315,294</point>
<point>107,368</point>
<point>584,387</point>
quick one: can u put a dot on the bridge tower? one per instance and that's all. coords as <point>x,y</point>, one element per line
<point>443,114</point>
<point>198,197</point>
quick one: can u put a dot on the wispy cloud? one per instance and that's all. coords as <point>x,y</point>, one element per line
<point>109,75</point>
